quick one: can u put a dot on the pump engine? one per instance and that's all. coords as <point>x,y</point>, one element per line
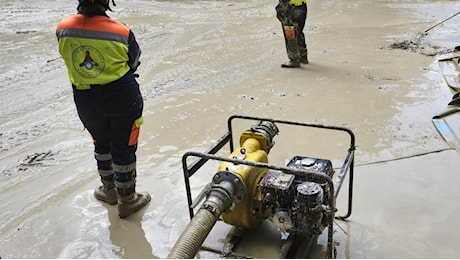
<point>296,204</point>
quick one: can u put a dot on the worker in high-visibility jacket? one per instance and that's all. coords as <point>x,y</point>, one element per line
<point>293,15</point>
<point>101,56</point>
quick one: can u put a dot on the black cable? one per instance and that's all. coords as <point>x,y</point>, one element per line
<point>405,157</point>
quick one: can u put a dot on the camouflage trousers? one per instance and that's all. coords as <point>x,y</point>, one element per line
<point>293,19</point>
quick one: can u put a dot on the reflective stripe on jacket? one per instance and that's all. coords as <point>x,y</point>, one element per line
<point>297,2</point>
<point>94,49</point>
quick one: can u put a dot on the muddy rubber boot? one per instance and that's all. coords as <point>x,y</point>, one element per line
<point>129,201</point>
<point>291,64</point>
<point>107,192</point>
<point>132,204</point>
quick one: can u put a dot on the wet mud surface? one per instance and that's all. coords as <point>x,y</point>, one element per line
<point>370,70</point>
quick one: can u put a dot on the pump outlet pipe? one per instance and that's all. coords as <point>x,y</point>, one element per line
<point>221,196</point>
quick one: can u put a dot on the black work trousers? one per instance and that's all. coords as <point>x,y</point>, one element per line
<point>108,112</point>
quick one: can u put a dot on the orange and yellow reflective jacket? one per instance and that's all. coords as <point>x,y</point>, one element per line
<point>95,49</point>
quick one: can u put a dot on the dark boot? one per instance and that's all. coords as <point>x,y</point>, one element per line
<point>133,203</point>
<point>129,201</point>
<point>291,64</point>
<point>304,60</point>
<point>106,192</point>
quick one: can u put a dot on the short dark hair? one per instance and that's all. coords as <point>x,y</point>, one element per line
<point>93,7</point>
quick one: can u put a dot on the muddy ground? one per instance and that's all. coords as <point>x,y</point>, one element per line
<point>371,70</point>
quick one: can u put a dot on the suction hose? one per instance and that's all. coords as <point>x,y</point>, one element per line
<point>196,232</point>
<point>220,198</point>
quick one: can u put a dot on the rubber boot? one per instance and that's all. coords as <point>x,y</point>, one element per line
<point>129,201</point>
<point>132,204</point>
<point>107,192</point>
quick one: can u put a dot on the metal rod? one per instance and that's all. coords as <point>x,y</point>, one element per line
<point>350,193</point>
<point>441,22</point>
<point>346,165</point>
<point>187,186</point>
<point>352,136</point>
<point>446,113</point>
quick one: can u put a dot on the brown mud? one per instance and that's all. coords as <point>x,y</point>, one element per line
<point>203,61</point>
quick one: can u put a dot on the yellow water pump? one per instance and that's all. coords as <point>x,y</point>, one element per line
<point>298,198</point>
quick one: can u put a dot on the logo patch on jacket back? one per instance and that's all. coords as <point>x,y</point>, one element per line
<point>88,61</point>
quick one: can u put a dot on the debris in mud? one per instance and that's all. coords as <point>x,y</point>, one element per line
<point>26,32</point>
<point>404,45</point>
<point>247,97</point>
<point>419,46</point>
